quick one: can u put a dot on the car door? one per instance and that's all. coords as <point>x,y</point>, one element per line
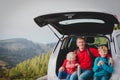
<point>115,47</point>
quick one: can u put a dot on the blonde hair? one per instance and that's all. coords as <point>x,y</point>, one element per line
<point>103,48</point>
<point>69,55</point>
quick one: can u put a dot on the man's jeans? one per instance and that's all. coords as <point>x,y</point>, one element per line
<point>64,73</point>
<point>84,75</point>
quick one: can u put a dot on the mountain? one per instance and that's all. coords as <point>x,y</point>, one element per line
<point>16,50</point>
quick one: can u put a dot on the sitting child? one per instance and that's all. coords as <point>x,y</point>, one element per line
<point>68,67</point>
<point>102,67</point>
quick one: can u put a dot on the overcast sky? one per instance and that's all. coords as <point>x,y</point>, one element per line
<point>16,16</point>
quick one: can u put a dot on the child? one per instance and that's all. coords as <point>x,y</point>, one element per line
<point>102,67</point>
<point>68,67</point>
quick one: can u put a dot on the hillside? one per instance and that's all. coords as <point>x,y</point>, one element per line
<point>30,69</point>
<point>13,51</point>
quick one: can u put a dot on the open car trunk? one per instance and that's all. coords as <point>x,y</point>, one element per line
<point>70,45</point>
<point>73,23</point>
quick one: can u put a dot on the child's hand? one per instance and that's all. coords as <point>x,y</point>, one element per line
<point>61,69</point>
<point>100,63</point>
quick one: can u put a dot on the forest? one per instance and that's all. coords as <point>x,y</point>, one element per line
<point>30,69</point>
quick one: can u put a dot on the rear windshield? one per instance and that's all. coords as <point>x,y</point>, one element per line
<point>75,21</point>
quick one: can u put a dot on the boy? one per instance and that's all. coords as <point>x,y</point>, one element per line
<point>102,67</point>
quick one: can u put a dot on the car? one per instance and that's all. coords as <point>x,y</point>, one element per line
<point>97,28</point>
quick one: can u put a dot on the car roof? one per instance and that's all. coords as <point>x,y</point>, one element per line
<point>71,23</point>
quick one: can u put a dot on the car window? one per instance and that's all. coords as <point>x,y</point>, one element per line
<point>90,41</point>
<point>101,41</point>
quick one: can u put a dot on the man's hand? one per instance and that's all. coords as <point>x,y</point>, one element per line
<point>77,64</point>
<point>111,61</point>
<point>100,63</point>
<point>61,69</point>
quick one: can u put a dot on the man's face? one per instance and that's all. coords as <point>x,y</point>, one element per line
<point>81,44</point>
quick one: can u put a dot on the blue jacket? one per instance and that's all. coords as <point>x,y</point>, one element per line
<point>102,70</point>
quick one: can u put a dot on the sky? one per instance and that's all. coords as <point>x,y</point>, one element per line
<point>16,16</point>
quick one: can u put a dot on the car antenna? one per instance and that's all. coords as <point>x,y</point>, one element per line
<point>54,32</point>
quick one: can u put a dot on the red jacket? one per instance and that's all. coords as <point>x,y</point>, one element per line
<point>84,59</point>
<point>69,67</point>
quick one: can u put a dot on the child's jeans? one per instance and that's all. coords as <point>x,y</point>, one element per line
<point>101,78</point>
<point>64,73</point>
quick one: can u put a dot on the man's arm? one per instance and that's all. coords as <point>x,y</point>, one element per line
<point>95,53</point>
<point>111,59</point>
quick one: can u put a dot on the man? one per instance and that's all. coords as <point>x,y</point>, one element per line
<point>85,61</point>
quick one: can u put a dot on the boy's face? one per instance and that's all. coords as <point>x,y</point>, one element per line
<point>103,53</point>
<point>73,58</point>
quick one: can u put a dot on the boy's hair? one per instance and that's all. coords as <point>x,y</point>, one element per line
<point>103,48</point>
<point>69,55</point>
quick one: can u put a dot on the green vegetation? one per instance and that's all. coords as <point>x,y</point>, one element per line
<point>30,69</point>
<point>100,40</point>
